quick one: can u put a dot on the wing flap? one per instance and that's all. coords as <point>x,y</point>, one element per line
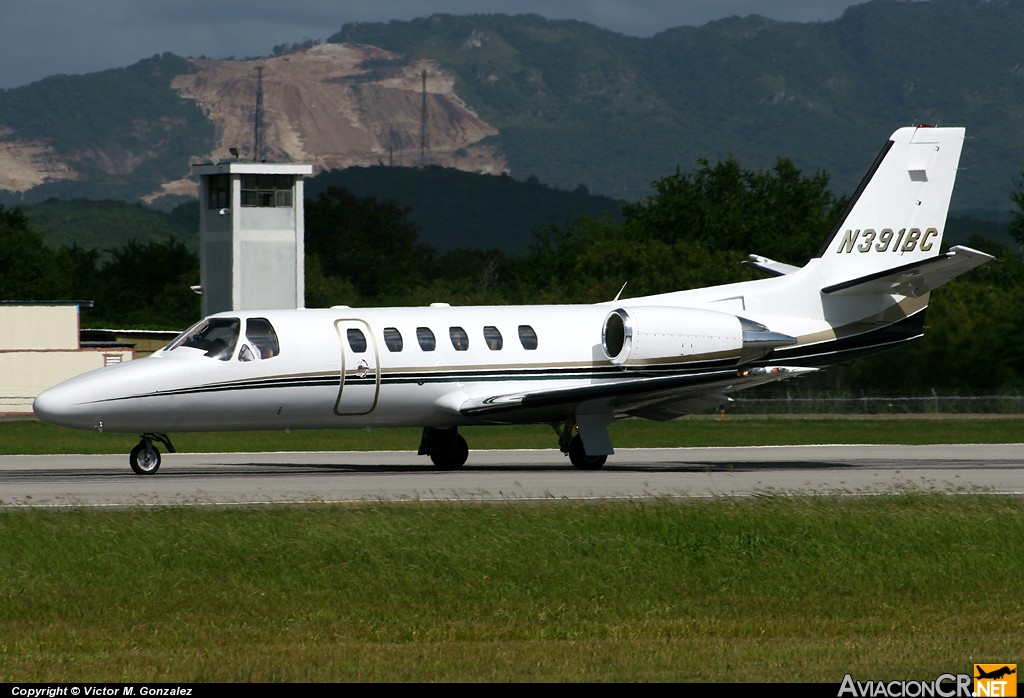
<point>629,395</point>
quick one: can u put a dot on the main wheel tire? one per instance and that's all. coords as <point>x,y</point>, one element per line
<point>578,456</point>
<point>144,459</point>
<point>451,458</point>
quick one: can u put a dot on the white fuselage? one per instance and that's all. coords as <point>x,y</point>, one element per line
<point>318,379</point>
<point>409,371</point>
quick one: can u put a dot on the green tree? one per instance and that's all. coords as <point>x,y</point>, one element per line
<point>693,231</point>
<point>29,269</point>
<point>147,285</point>
<point>323,291</point>
<point>777,212</point>
<point>371,243</point>
<point>1016,227</point>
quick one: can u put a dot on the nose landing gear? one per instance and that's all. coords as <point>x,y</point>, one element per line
<point>145,458</point>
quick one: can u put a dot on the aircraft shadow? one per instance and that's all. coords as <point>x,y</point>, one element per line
<point>290,469</point>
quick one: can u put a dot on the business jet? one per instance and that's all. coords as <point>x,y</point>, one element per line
<point>575,367</point>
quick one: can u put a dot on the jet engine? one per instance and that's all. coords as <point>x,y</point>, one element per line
<point>646,335</point>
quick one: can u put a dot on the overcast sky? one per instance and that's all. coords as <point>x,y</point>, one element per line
<point>44,37</point>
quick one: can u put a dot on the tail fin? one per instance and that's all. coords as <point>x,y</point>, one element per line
<point>897,216</point>
<point>875,270</point>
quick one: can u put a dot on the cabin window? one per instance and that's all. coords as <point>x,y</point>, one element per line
<point>393,339</point>
<point>460,340</point>
<point>527,337</point>
<point>215,336</point>
<point>426,338</point>
<point>356,340</point>
<point>492,337</point>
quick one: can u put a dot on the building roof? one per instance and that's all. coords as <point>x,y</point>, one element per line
<point>238,167</point>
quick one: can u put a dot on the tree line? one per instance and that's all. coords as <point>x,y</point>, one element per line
<point>693,230</point>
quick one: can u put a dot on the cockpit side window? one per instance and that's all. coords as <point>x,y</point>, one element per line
<point>262,338</point>
<point>216,336</point>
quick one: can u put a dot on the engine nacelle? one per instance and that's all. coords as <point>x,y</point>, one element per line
<point>645,335</point>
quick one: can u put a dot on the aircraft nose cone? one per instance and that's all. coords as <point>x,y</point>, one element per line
<point>64,405</point>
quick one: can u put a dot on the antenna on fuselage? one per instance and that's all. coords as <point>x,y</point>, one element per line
<point>620,292</point>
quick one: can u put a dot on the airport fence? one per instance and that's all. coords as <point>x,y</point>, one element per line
<point>881,404</point>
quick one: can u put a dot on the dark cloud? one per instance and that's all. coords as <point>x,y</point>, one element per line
<point>45,37</point>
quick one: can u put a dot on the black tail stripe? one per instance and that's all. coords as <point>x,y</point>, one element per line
<point>853,200</point>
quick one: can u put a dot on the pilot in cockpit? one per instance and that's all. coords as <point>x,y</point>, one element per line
<point>262,341</point>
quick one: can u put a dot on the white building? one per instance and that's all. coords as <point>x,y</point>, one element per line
<point>251,235</point>
<point>40,347</point>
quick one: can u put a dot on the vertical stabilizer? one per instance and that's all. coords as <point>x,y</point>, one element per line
<point>897,216</point>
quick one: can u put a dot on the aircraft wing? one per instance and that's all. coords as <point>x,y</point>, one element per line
<point>916,279</point>
<point>659,397</point>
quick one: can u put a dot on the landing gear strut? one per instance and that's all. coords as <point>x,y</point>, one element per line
<point>145,458</point>
<point>447,449</point>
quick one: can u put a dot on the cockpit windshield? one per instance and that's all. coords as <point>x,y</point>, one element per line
<point>215,336</point>
<point>218,337</point>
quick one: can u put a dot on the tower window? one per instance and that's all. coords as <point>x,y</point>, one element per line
<point>266,191</point>
<point>218,192</point>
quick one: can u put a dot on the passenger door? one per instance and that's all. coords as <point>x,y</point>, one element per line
<point>359,387</point>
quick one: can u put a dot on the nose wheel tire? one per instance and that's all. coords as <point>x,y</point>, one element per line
<point>144,459</point>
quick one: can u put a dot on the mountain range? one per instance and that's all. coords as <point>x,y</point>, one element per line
<point>562,102</point>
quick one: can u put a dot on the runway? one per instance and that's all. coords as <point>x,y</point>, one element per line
<point>231,479</point>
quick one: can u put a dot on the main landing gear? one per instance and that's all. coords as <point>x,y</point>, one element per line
<point>447,449</point>
<point>571,444</point>
<point>145,458</point>
<point>578,455</point>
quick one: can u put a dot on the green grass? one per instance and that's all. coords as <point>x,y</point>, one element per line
<point>34,437</point>
<point>772,589</point>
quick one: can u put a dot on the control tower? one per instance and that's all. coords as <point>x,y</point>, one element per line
<point>251,235</point>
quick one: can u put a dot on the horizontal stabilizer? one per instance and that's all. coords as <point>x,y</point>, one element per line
<point>769,266</point>
<point>916,279</point>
